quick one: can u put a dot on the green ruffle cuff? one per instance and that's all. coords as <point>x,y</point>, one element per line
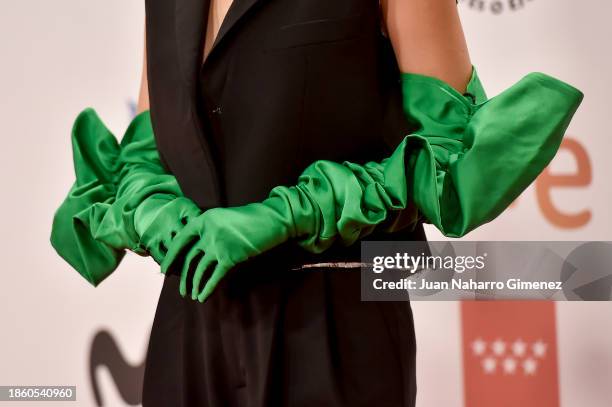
<point>95,151</point>
<point>122,199</point>
<point>470,156</point>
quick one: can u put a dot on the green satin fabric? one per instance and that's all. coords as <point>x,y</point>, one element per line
<point>346,201</point>
<point>465,162</point>
<point>122,199</point>
<point>469,159</point>
<point>95,152</point>
<point>221,238</point>
<point>149,207</point>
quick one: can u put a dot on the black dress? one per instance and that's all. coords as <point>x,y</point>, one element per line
<point>285,84</point>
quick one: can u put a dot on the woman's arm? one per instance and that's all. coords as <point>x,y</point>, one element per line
<point>428,39</point>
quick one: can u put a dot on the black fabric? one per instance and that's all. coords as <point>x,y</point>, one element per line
<point>276,338</point>
<point>286,83</point>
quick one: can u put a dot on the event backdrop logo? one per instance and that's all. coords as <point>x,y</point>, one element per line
<point>496,6</point>
<point>509,354</point>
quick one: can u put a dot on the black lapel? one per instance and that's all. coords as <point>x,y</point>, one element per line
<point>191,18</point>
<point>198,168</point>
<point>236,12</point>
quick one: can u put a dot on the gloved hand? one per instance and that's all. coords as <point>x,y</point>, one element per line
<point>331,202</point>
<point>470,157</point>
<point>464,164</point>
<point>122,199</point>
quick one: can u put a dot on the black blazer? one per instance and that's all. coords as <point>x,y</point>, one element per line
<point>285,84</point>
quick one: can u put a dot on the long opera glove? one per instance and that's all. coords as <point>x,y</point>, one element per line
<point>121,199</point>
<point>470,156</point>
<point>331,202</point>
<point>346,201</point>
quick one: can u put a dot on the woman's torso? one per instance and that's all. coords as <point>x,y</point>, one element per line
<point>285,84</point>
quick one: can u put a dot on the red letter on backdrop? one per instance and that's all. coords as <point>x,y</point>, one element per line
<point>581,178</point>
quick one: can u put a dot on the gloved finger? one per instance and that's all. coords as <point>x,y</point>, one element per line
<point>204,265</point>
<point>181,241</point>
<point>194,254</point>
<point>218,274</point>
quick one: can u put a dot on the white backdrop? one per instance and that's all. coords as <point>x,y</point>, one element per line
<point>58,57</point>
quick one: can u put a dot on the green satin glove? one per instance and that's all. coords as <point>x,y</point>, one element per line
<point>471,157</point>
<point>331,202</point>
<point>463,165</point>
<point>221,238</point>
<point>121,199</point>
